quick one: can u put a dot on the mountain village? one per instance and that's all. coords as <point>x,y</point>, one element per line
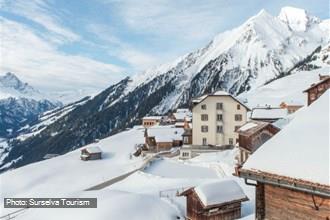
<point>222,155</point>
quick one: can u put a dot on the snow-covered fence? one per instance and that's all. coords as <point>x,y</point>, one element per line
<point>171,193</point>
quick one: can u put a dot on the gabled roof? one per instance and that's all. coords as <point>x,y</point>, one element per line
<point>165,133</point>
<point>318,83</point>
<point>93,149</point>
<point>200,99</point>
<point>218,193</point>
<point>152,117</point>
<point>252,127</point>
<point>300,151</point>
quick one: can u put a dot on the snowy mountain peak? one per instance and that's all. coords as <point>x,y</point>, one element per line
<point>11,81</point>
<point>12,86</point>
<point>297,19</point>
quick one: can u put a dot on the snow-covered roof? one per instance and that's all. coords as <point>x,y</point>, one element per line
<point>93,149</point>
<point>218,93</point>
<point>179,124</point>
<point>182,110</point>
<point>268,113</point>
<point>221,93</point>
<point>301,149</point>
<point>216,193</point>
<point>247,126</point>
<point>318,83</point>
<point>181,115</point>
<point>199,99</point>
<point>165,133</point>
<point>152,117</point>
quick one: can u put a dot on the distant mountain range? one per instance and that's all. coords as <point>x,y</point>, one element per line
<point>260,51</point>
<point>20,104</point>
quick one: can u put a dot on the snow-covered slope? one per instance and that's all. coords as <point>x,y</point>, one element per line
<point>69,176</point>
<point>290,89</point>
<point>264,49</point>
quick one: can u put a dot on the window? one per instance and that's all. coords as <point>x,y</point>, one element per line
<point>219,117</point>
<point>237,127</point>
<point>205,128</point>
<point>185,154</point>
<point>219,129</point>
<point>312,96</point>
<point>203,107</point>
<point>238,106</point>
<point>185,140</point>
<point>231,141</point>
<point>204,117</point>
<point>204,141</point>
<point>320,88</point>
<point>219,106</point>
<point>238,117</point>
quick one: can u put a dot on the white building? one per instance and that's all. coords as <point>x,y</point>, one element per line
<point>216,117</point>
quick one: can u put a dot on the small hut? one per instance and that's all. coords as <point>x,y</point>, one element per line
<point>219,200</point>
<point>91,153</point>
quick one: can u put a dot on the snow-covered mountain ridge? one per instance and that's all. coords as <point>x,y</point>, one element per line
<point>12,86</point>
<point>259,50</point>
<point>20,104</point>
<point>263,49</point>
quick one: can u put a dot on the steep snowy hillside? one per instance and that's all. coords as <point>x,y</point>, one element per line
<point>262,50</point>
<point>20,104</point>
<point>290,89</point>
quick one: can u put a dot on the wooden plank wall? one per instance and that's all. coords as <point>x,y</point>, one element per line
<point>285,204</point>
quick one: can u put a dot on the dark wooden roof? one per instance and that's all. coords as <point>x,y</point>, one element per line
<point>318,83</point>
<point>285,181</point>
<point>260,125</point>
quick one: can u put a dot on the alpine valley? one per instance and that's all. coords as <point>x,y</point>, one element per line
<point>242,61</point>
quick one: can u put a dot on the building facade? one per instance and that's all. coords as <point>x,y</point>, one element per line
<point>251,136</point>
<point>150,121</point>
<point>216,117</point>
<point>317,89</point>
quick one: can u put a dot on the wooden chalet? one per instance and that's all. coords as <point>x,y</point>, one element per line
<point>163,138</point>
<point>251,136</point>
<point>219,200</point>
<point>317,89</point>
<point>291,171</point>
<point>91,153</point>
<point>150,121</point>
<point>291,108</point>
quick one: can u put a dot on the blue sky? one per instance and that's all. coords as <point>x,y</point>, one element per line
<point>89,44</point>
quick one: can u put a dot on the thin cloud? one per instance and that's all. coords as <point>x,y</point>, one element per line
<point>40,12</point>
<point>39,62</point>
<point>138,60</point>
